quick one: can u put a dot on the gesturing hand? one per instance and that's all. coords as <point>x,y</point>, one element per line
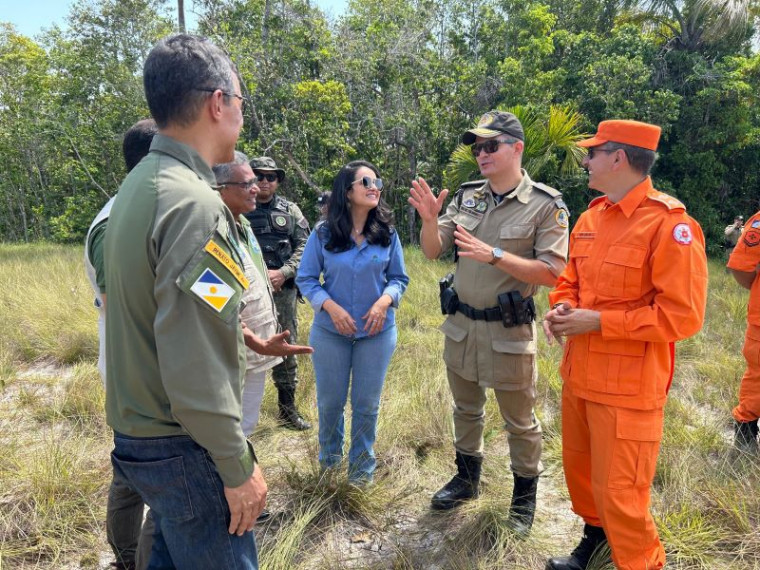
<point>424,201</point>
<point>472,247</point>
<point>276,345</point>
<point>375,317</point>
<point>276,278</point>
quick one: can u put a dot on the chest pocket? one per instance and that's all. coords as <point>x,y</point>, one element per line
<point>622,273</point>
<point>280,222</point>
<point>466,220</point>
<point>518,239</point>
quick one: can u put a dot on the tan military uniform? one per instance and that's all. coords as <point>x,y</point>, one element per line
<point>531,221</point>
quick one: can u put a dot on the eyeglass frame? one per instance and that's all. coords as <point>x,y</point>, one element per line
<point>368,182</point>
<point>225,93</point>
<point>244,185</point>
<point>594,149</point>
<point>477,148</point>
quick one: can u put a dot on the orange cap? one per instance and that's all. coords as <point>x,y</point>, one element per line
<point>633,133</point>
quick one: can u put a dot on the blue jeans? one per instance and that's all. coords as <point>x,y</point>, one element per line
<point>340,361</point>
<point>178,480</point>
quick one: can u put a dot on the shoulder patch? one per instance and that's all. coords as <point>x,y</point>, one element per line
<point>670,202</point>
<point>752,238</point>
<point>682,234</point>
<point>547,189</point>
<point>562,218</point>
<point>212,290</point>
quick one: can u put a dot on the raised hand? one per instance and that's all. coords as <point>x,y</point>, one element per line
<point>423,200</point>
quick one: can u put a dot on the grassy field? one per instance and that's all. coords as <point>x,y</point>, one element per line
<point>55,470</point>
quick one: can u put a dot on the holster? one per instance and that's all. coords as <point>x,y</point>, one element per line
<point>515,310</point>
<point>448,295</point>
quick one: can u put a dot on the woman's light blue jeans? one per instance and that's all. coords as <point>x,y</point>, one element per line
<point>362,363</point>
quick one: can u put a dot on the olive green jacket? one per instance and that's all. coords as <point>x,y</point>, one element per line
<point>174,347</point>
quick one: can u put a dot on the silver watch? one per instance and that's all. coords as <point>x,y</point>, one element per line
<point>497,254</point>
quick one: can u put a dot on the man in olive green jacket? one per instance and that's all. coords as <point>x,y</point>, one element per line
<point>175,349</point>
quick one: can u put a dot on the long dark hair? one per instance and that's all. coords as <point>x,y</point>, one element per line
<point>337,228</point>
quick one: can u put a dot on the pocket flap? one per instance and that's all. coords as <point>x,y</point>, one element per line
<point>454,332</point>
<point>626,255</point>
<point>523,231</point>
<point>639,425</point>
<point>622,347</point>
<point>581,248</point>
<point>514,346</point>
<point>467,221</point>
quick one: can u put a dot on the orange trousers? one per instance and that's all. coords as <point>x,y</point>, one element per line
<point>609,456</point>
<point>749,392</point>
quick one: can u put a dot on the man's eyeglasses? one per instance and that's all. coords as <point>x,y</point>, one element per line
<point>269,177</point>
<point>490,146</point>
<point>225,93</point>
<point>244,185</point>
<point>594,149</point>
<point>369,182</point>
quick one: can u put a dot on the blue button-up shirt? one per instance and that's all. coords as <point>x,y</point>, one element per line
<point>354,279</point>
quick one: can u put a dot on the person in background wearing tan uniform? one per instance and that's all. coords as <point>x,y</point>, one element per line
<point>511,237</point>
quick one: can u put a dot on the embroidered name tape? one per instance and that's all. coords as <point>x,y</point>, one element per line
<point>212,290</point>
<point>215,250</point>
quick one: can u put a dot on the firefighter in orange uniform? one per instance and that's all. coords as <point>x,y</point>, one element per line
<point>744,263</point>
<point>635,284</point>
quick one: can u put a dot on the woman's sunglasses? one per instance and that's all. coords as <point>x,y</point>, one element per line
<point>490,146</point>
<point>369,182</point>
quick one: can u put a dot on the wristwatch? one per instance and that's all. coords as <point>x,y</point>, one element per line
<point>497,253</point>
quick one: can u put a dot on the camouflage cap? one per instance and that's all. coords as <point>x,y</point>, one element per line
<point>266,163</point>
<point>493,124</point>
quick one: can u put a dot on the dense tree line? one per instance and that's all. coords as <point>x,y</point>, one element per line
<point>395,82</point>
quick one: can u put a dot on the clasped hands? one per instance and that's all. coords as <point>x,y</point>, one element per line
<point>563,320</point>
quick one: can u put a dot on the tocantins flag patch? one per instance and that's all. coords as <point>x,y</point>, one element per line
<point>213,290</point>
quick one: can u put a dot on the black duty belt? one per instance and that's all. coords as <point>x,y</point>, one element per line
<point>490,314</point>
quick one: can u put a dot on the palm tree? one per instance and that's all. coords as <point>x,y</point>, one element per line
<point>692,24</point>
<point>549,146</point>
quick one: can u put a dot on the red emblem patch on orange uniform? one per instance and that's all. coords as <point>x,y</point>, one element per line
<point>752,238</point>
<point>682,234</point>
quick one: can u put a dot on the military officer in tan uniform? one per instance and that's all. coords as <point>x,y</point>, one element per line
<point>510,235</point>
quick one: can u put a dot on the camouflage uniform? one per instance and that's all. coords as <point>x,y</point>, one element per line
<point>282,231</point>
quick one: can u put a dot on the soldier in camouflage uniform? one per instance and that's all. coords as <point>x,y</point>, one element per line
<point>282,231</point>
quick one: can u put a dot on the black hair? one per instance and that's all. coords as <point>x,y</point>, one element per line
<point>640,159</point>
<point>136,143</point>
<point>336,231</point>
<point>179,74</point>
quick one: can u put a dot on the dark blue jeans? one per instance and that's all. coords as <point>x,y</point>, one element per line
<point>178,480</point>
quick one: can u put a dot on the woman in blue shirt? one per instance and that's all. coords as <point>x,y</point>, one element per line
<point>358,253</point>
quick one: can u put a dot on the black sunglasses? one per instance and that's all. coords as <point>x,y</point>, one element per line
<point>594,149</point>
<point>244,185</point>
<point>490,146</point>
<point>269,177</point>
<point>368,182</point>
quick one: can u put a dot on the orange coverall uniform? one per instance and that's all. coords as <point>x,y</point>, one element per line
<point>641,263</point>
<point>746,257</point>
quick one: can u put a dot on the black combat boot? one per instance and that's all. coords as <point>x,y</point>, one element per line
<point>523,506</point>
<point>590,546</point>
<point>463,486</point>
<point>745,436</point>
<point>288,416</point>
